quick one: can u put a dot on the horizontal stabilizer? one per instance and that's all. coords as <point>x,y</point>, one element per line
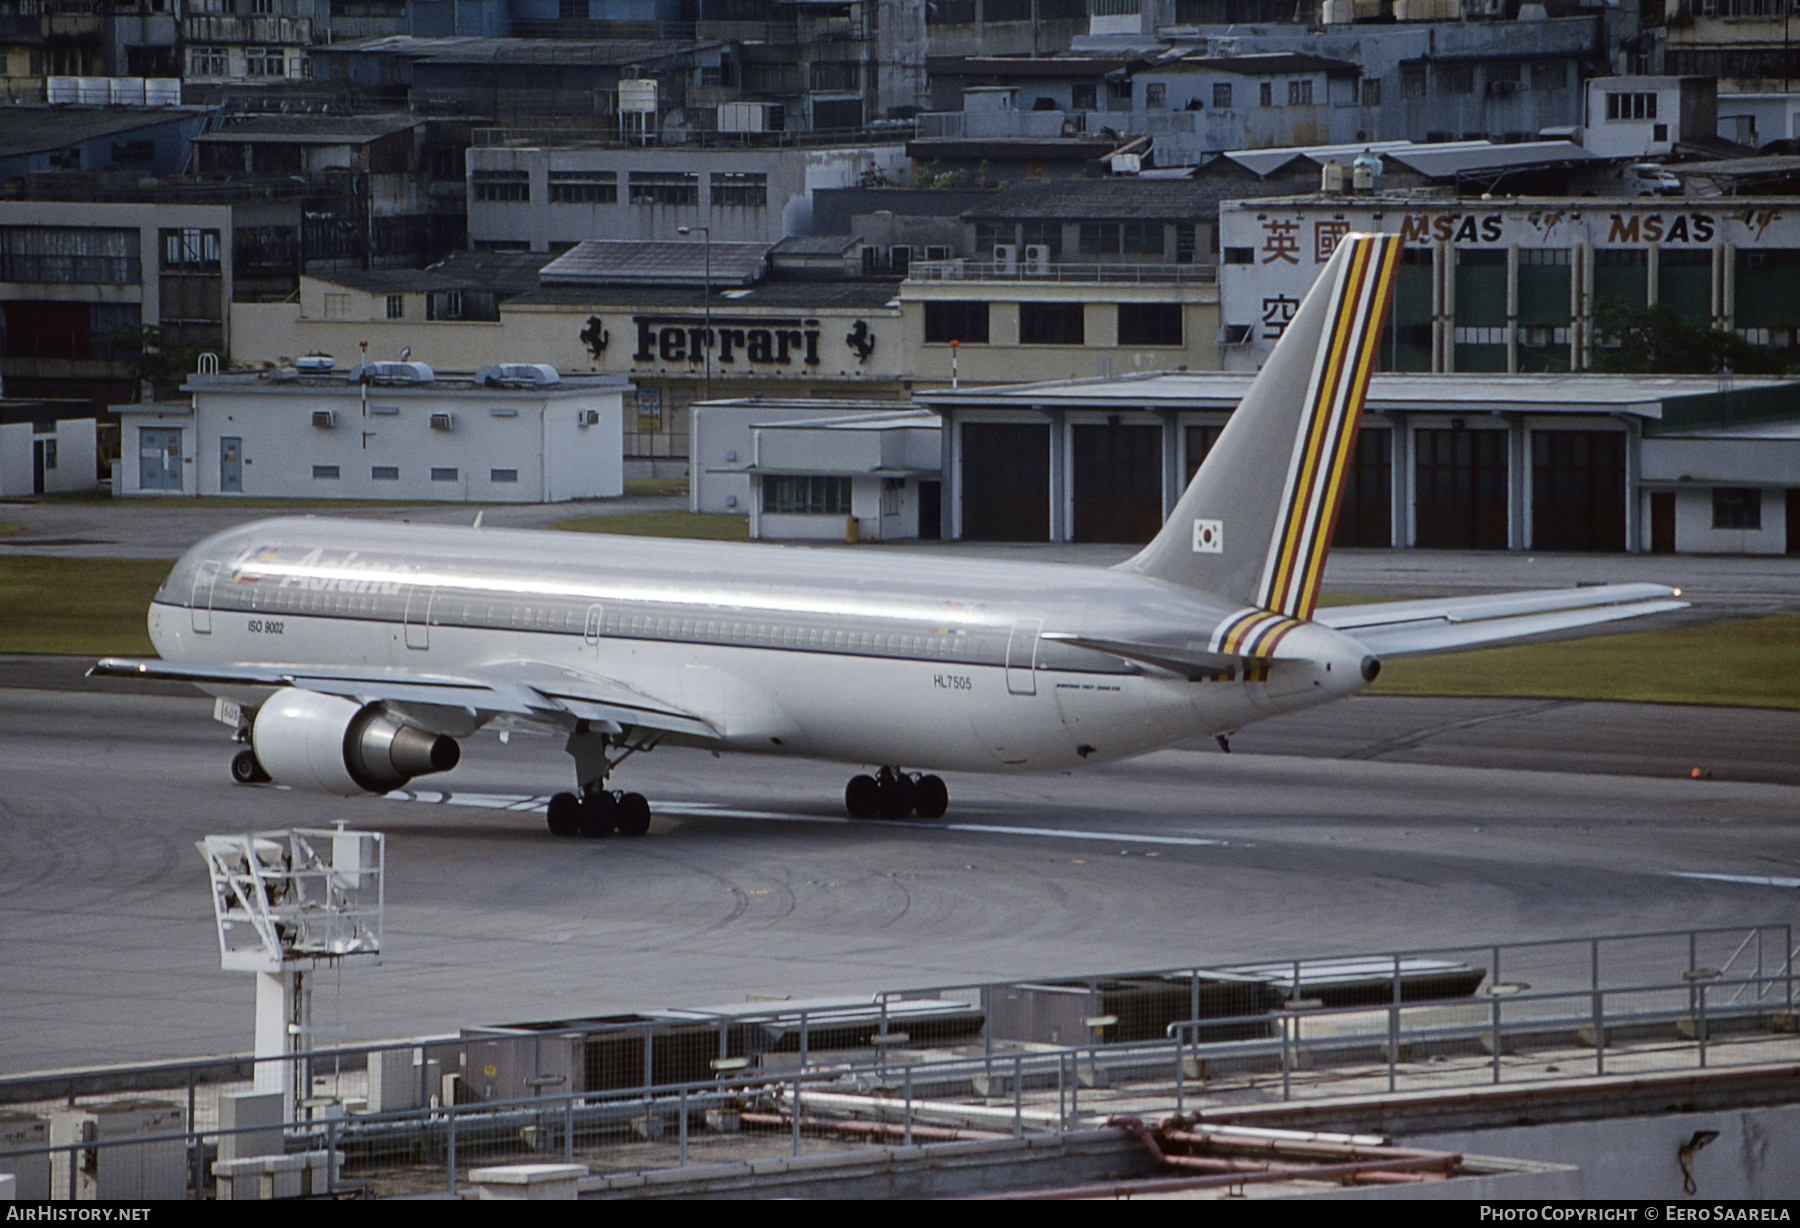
<point>1490,605</point>
<point>1450,626</point>
<point>1191,663</point>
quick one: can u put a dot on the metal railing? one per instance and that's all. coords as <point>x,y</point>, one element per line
<point>1089,271</point>
<point>947,1062</point>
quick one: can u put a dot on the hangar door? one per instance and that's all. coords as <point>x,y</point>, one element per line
<point>1578,490</point>
<point>1366,516</point>
<point>1461,489</point>
<point>1005,481</point>
<point>1118,482</point>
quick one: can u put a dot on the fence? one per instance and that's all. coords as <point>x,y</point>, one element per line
<point>1027,270</point>
<point>981,1060</point>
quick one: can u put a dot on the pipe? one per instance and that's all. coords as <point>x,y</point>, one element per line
<point>1161,1185</point>
<point>876,1129</point>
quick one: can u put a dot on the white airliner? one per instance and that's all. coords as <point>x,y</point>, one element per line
<point>354,655</point>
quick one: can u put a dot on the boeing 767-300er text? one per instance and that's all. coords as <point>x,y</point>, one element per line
<point>355,654</point>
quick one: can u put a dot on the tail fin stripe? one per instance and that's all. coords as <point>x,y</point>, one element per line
<point>1315,428</point>
<point>1340,381</point>
<point>1381,290</point>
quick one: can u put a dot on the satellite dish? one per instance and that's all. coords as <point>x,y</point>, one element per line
<point>405,352</point>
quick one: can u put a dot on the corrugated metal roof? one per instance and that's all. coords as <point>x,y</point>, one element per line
<point>1114,198</point>
<point>603,260</point>
<point>312,129</point>
<point>1586,393</point>
<point>32,129</point>
<point>1444,162</point>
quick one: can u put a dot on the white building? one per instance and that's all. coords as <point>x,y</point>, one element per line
<point>1637,117</point>
<point>861,473</point>
<point>59,460</point>
<point>514,433</point>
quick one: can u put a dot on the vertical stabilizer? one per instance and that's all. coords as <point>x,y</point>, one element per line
<point>1255,523</point>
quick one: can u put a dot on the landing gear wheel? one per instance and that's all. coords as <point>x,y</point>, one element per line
<point>897,794</point>
<point>634,814</point>
<point>564,814</point>
<point>862,797</point>
<point>930,797</point>
<point>599,814</point>
<point>246,770</point>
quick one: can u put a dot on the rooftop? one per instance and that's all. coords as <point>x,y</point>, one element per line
<point>312,129</point>
<point>656,262</point>
<point>32,129</point>
<point>1118,197</point>
<point>501,272</point>
<point>788,296</point>
<point>1268,64</point>
<point>1640,395</point>
<point>473,50</point>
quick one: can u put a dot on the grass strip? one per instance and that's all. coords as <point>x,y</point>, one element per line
<point>77,607</point>
<point>694,525</point>
<point>1750,664</point>
<point>656,486</point>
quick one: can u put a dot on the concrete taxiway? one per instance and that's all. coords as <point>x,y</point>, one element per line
<point>1368,824</point>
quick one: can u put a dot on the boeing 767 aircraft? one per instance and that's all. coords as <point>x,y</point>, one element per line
<point>353,655</point>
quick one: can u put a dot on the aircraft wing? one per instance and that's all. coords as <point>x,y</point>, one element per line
<point>532,689</point>
<point>1415,628</point>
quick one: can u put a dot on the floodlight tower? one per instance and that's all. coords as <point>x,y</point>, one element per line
<point>287,904</point>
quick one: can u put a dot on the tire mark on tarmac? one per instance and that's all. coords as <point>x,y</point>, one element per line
<point>1406,741</point>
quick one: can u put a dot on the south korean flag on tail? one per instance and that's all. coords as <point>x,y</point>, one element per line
<point>1209,537</point>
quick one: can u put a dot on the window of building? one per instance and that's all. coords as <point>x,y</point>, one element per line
<point>584,187</point>
<point>1300,93</point>
<point>745,189</point>
<point>1084,97</point>
<point>1239,255</point>
<point>1412,81</point>
<point>962,322</point>
<point>445,162</point>
<point>337,306</point>
<point>818,496</point>
<point>1631,106</point>
<point>836,75</point>
<point>950,12</point>
<point>665,187</point>
<point>503,475</point>
<point>1141,238</point>
<point>1156,96</point>
<point>396,306</point>
<point>385,473</point>
<point>1456,79</point>
<point>1737,507</point>
<point>1042,234</point>
<point>1265,94</point>
<point>1149,323</point>
<point>209,61</point>
<point>1099,238</point>
<point>325,473</point>
<point>443,473</point>
<point>1552,75</point>
<point>1119,91</point>
<point>507,187</point>
<point>65,254</point>
<point>1115,8</point>
<point>265,62</point>
<point>1371,92</point>
<point>257,8</point>
<point>1222,95</point>
<point>1051,324</point>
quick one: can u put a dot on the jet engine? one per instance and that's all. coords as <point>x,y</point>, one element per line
<point>325,742</point>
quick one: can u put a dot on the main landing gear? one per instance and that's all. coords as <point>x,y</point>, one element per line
<point>892,794</point>
<point>595,811</point>
<point>246,770</point>
<point>598,813</point>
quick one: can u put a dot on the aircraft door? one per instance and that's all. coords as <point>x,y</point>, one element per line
<point>1021,656</point>
<point>418,617</point>
<point>231,465</point>
<point>596,623</point>
<point>200,599</point>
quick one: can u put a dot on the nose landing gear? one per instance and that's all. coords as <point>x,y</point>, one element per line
<point>893,794</point>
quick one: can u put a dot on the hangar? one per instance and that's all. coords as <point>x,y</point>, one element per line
<point>1488,462</point>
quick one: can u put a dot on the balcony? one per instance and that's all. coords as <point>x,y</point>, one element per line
<point>1092,272</point>
<point>229,28</point>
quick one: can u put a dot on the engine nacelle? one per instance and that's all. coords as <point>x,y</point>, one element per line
<point>325,742</point>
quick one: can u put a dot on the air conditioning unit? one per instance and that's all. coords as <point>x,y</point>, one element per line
<point>315,364</point>
<point>443,422</point>
<point>532,374</point>
<point>324,419</point>
<point>587,417</point>
<point>1006,257</point>
<point>1037,257</point>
